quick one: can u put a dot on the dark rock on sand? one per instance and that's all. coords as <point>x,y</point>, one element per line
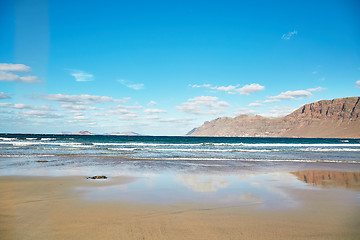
<point>97,177</point>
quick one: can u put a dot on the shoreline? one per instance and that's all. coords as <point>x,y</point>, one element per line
<point>179,205</point>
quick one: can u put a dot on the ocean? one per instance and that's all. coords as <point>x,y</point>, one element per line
<point>42,153</point>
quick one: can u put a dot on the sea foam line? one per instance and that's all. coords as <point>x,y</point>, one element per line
<point>192,150</point>
<point>246,160</point>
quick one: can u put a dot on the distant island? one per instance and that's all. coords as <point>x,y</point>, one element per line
<point>84,133</point>
<point>337,118</point>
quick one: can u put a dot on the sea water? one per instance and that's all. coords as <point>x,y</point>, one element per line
<point>45,152</point>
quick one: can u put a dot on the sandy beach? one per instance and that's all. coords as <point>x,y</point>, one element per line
<point>65,208</point>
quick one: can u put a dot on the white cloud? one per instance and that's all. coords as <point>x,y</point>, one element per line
<point>248,89</point>
<point>276,112</point>
<point>358,83</point>
<point>289,35</point>
<point>199,86</point>
<point>129,84</point>
<point>231,89</point>
<point>77,112</point>
<point>77,107</point>
<point>81,99</point>
<point>152,103</point>
<point>6,74</point>
<point>80,118</point>
<point>255,104</point>
<point>81,76</point>
<point>25,106</point>
<point>154,111</point>
<point>245,111</point>
<point>290,95</point>
<point>41,114</point>
<point>5,95</point>
<point>14,67</point>
<point>129,117</point>
<point>11,77</point>
<point>128,107</point>
<point>271,100</point>
<point>119,112</point>
<point>317,89</point>
<point>203,105</point>
<point>175,120</point>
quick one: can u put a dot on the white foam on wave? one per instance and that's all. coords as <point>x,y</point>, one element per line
<point>330,149</point>
<point>234,144</point>
<point>47,139</point>
<point>7,139</point>
<point>23,144</point>
<point>301,145</point>
<point>39,143</point>
<point>146,144</point>
<point>75,145</point>
<point>193,150</point>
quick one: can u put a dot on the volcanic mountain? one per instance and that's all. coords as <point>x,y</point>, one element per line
<point>337,118</point>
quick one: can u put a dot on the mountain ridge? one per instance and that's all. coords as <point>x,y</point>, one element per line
<point>337,118</point>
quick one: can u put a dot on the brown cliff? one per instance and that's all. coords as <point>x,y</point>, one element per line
<point>338,118</point>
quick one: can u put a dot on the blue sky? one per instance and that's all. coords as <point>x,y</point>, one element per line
<point>165,67</point>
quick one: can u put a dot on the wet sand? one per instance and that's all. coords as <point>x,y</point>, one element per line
<point>60,208</point>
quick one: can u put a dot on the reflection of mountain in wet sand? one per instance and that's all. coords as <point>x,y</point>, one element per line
<point>330,178</point>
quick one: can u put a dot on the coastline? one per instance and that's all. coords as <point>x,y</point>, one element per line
<point>178,188</point>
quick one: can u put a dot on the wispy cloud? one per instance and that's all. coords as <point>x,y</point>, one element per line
<point>248,89</point>
<point>81,118</point>
<point>154,111</point>
<point>276,112</point>
<point>81,99</point>
<point>5,95</point>
<point>77,107</point>
<point>271,100</point>
<point>199,86</point>
<point>233,89</point>
<point>289,35</point>
<point>128,107</point>
<point>41,114</point>
<point>203,105</point>
<point>132,85</point>
<point>317,89</point>
<point>7,75</point>
<point>81,76</point>
<point>25,106</point>
<point>151,103</point>
<point>14,67</point>
<point>292,95</point>
<point>246,111</point>
<point>255,104</point>
<point>358,83</point>
<point>229,89</point>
